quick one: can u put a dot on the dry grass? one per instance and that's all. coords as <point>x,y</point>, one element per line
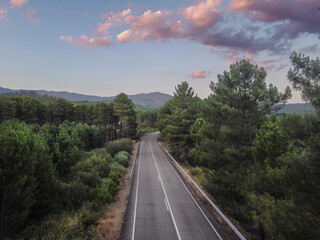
<point>110,224</point>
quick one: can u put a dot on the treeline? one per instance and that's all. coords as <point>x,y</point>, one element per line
<point>262,168</point>
<point>146,122</point>
<point>116,118</point>
<point>57,173</point>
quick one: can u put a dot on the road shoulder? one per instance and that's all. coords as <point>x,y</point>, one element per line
<point>110,225</point>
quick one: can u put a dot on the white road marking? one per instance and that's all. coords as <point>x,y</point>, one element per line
<point>164,191</point>
<point>191,196</point>
<point>237,232</point>
<point>135,207</point>
<point>165,200</point>
<point>134,161</point>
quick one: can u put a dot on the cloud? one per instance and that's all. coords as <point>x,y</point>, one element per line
<point>31,15</point>
<point>245,26</point>
<point>203,14</point>
<point>309,49</point>
<point>198,74</point>
<point>3,15</point>
<point>283,65</point>
<point>112,19</point>
<point>300,16</point>
<point>152,25</point>
<point>18,3</point>
<point>84,40</point>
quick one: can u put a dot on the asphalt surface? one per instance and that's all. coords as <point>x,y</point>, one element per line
<point>161,206</point>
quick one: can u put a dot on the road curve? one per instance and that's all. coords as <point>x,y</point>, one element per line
<point>160,203</point>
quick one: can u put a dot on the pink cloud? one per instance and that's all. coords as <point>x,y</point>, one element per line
<point>198,74</point>
<point>112,19</point>
<point>3,15</point>
<point>18,3</point>
<point>203,14</point>
<point>102,28</point>
<point>83,40</point>
<point>208,23</point>
<point>31,15</point>
<point>152,25</point>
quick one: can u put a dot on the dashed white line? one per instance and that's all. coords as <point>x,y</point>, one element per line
<point>165,194</point>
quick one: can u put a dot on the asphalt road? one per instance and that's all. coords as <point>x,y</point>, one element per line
<point>161,205</point>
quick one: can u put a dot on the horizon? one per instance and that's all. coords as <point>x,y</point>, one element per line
<point>116,94</point>
<point>105,48</point>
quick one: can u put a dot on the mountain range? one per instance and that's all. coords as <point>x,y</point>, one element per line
<point>143,101</point>
<point>149,100</point>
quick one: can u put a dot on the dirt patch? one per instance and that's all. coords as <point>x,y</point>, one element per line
<point>228,232</point>
<point>110,224</point>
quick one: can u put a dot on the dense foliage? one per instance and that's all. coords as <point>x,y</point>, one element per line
<point>146,122</point>
<point>262,168</point>
<point>53,165</point>
<point>117,119</point>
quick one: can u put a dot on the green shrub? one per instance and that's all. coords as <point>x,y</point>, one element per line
<point>112,175</point>
<point>112,187</point>
<point>122,157</point>
<point>102,195</point>
<point>124,144</point>
<point>118,169</point>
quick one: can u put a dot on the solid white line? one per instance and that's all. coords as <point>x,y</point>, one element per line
<point>237,232</point>
<point>134,160</point>
<point>191,196</point>
<point>165,194</point>
<point>165,200</point>
<point>137,189</point>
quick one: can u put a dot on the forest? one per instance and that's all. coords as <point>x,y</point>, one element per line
<point>61,162</point>
<point>261,167</point>
<point>60,165</point>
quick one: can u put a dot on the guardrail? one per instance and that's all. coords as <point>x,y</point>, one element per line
<point>236,231</point>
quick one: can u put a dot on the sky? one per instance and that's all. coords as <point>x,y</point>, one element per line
<point>104,47</point>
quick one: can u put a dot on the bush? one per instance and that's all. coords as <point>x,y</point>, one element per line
<point>118,169</point>
<point>112,187</point>
<point>98,161</point>
<point>101,196</point>
<point>122,157</point>
<point>124,144</point>
<point>112,175</point>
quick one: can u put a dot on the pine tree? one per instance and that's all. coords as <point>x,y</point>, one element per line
<point>124,109</point>
<point>17,169</point>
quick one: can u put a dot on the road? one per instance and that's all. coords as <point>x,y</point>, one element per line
<point>161,205</point>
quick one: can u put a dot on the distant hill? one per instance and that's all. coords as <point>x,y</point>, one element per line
<point>149,100</point>
<point>297,108</point>
<point>6,90</point>
<point>34,95</point>
<point>141,108</point>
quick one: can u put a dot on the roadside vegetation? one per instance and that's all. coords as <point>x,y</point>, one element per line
<point>146,122</point>
<point>61,165</point>
<point>262,167</point>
